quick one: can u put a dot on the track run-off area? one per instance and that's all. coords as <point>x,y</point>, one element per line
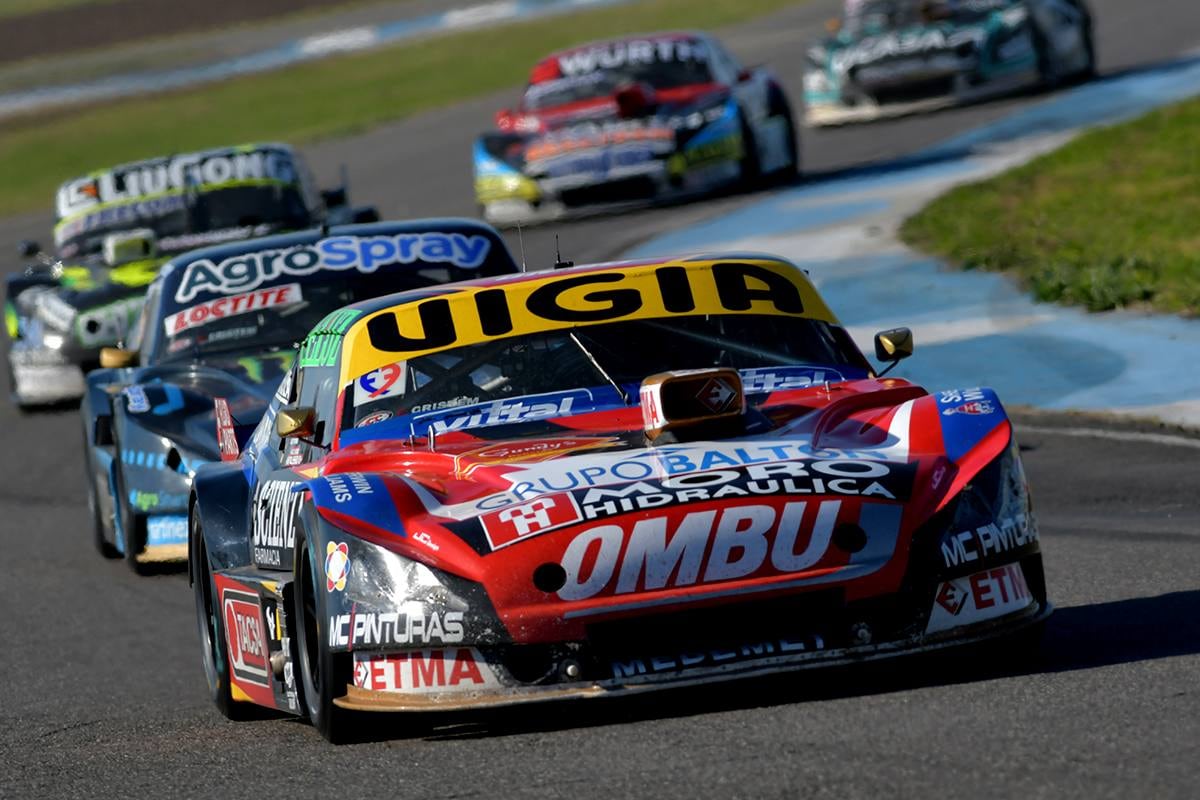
<point>105,694</point>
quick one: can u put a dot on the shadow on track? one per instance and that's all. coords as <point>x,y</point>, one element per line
<point>1077,638</point>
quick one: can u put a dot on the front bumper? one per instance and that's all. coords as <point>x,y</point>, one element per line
<point>658,673</point>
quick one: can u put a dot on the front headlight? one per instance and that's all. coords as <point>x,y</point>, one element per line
<point>993,514</point>
<point>379,577</point>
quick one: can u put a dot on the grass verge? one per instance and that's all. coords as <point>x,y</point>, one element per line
<point>1108,221</point>
<point>327,98</point>
<point>21,8</point>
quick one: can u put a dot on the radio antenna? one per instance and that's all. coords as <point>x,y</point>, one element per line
<point>558,260</point>
<point>521,239</point>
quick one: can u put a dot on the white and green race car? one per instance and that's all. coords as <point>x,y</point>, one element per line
<point>893,57</point>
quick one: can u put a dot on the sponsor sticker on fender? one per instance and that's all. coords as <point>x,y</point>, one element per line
<point>980,597</point>
<point>244,633</point>
<point>424,671</point>
<point>513,523</point>
<point>225,307</point>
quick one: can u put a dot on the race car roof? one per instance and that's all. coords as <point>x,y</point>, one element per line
<point>466,248</point>
<point>615,50</point>
<point>384,330</point>
<point>171,174</point>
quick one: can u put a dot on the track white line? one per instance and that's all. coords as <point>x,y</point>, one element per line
<point>1119,436</point>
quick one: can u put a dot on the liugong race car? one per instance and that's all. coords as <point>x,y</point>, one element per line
<point>222,322</point>
<point>893,57</point>
<point>116,227</point>
<point>597,481</point>
<point>633,119</point>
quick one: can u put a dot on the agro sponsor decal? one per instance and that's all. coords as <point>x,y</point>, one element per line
<point>337,566</point>
<point>144,181</point>
<point>424,671</point>
<point>136,401</point>
<point>714,657</point>
<point>248,656</point>
<point>406,627</point>
<point>513,523</point>
<point>721,544</point>
<point>365,254</point>
<point>994,538</point>
<point>225,307</point>
<point>275,509</point>
<point>389,380</point>
<point>631,52</point>
<point>979,597</point>
<point>563,301</point>
<point>166,530</point>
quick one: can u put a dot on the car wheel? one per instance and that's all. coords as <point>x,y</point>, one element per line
<point>124,521</point>
<point>1049,74</point>
<point>1092,70</point>
<point>102,529</point>
<point>211,626</point>
<point>792,169</point>
<point>751,170</point>
<point>323,675</point>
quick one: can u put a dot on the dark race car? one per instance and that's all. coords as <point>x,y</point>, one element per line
<point>598,481</point>
<point>222,323</point>
<point>635,119</point>
<point>892,57</point>
<point>116,227</point>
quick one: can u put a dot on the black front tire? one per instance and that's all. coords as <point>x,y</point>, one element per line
<point>101,532</point>
<point>323,674</point>
<point>211,627</point>
<point>131,542</point>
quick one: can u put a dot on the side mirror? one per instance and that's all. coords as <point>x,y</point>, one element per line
<point>334,197</point>
<point>27,248</point>
<point>893,345</point>
<point>833,25</point>
<point>296,423</point>
<point>116,358</point>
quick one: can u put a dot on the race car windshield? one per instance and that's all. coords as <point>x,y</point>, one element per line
<point>881,15</point>
<point>604,81</point>
<point>538,364</point>
<point>188,221</point>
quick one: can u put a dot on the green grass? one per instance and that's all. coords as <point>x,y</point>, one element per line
<point>323,99</point>
<point>20,8</point>
<point>1111,220</point>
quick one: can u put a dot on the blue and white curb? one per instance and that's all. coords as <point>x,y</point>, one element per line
<point>976,328</point>
<point>293,52</point>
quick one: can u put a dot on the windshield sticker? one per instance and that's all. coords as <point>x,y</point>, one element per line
<point>388,381</point>
<point>320,347</point>
<point>765,380</point>
<point>225,307</point>
<point>372,418</point>
<point>173,175</point>
<point>615,55</point>
<point>365,254</point>
<point>125,215</point>
<point>559,302</point>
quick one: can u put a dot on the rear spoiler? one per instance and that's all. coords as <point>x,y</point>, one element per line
<point>227,441</point>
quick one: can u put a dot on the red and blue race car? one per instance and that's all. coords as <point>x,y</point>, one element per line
<point>597,481</point>
<point>633,120</point>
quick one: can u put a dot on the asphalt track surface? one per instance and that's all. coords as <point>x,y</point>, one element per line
<point>104,694</point>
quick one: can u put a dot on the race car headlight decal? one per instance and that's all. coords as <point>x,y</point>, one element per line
<point>379,577</point>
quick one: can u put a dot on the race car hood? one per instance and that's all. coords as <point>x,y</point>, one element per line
<point>175,400</point>
<point>845,54</point>
<point>582,520</point>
